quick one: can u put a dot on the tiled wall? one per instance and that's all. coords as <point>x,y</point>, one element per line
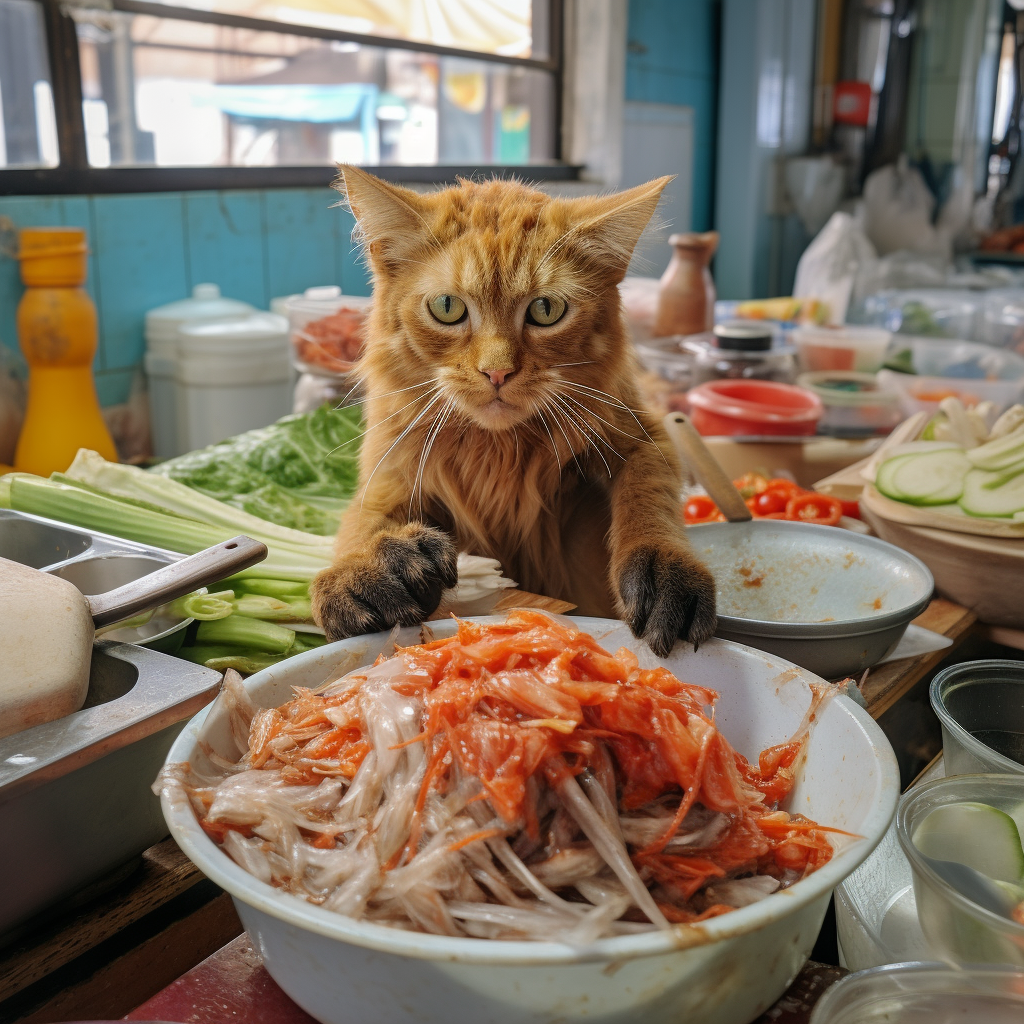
<point>672,57</point>
<point>149,249</point>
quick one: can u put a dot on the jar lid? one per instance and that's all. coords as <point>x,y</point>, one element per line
<point>205,303</point>
<point>38,242</point>
<point>743,336</point>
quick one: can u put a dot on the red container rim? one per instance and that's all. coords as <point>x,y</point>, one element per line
<point>757,400</point>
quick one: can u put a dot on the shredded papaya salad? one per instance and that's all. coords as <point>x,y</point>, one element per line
<point>512,781</point>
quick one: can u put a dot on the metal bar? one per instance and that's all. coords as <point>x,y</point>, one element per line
<point>158,10</point>
<point>556,51</point>
<point>66,76</point>
<point>65,180</point>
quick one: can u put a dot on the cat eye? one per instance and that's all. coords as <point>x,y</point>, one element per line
<point>448,309</point>
<point>545,311</point>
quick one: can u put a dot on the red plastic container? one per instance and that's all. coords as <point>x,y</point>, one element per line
<point>753,408</point>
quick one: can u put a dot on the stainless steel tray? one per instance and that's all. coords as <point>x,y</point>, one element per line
<point>75,799</point>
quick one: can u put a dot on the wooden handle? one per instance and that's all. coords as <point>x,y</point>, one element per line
<point>176,580</point>
<point>706,468</point>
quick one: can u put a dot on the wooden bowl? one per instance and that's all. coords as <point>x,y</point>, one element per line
<point>985,574</point>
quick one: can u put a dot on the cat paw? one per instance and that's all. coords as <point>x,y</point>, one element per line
<point>666,594</point>
<point>398,580</point>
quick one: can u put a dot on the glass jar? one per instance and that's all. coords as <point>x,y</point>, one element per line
<point>741,350</point>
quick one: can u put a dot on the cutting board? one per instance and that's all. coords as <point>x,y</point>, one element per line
<point>913,515</point>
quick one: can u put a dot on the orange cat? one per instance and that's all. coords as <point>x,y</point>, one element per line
<point>503,417</point>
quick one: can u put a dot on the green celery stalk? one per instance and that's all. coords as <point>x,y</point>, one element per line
<point>281,589</point>
<point>306,642</point>
<point>259,606</point>
<point>223,656</point>
<point>71,504</point>
<point>242,631</point>
<point>63,478</point>
<point>204,607</point>
<point>130,482</point>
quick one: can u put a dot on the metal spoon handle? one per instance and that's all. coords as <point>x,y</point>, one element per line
<point>706,468</point>
<point>176,580</point>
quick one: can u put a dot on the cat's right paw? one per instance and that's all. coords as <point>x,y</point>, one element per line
<point>398,580</point>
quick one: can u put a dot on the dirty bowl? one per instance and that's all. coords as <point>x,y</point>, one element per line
<point>726,970</point>
<point>833,601</point>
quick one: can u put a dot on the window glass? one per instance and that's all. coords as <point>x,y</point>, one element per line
<point>513,28</point>
<point>169,93</point>
<point>28,127</point>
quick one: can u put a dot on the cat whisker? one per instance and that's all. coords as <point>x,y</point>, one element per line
<point>608,399</point>
<point>396,441</point>
<point>360,436</point>
<point>593,437</point>
<point>597,416</point>
<point>554,447</point>
<point>436,428</point>
<point>582,362</point>
<point>558,423</point>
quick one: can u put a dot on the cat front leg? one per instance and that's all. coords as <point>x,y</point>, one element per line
<point>663,591</point>
<point>394,575</point>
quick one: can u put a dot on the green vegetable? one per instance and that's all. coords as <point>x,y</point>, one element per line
<point>259,606</point>
<point>918,319</point>
<point>300,472</point>
<point>72,504</point>
<point>926,478</point>
<point>222,657</point>
<point>978,835</point>
<point>901,362</point>
<point>1001,453</point>
<point>1004,498</point>
<point>282,589</point>
<point>242,631</point>
<point>204,607</point>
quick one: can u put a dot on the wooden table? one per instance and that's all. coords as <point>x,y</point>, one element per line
<point>109,957</point>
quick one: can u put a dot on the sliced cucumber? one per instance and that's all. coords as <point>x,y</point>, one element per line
<point>978,835</point>
<point>932,478</point>
<point>884,477</point>
<point>1004,498</point>
<point>1004,475</point>
<point>1000,453</point>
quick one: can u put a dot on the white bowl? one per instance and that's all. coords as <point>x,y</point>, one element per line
<point>725,970</point>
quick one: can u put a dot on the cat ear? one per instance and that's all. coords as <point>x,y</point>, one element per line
<point>611,225</point>
<point>390,219</point>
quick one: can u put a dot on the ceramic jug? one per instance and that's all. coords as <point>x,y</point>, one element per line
<point>686,298</point>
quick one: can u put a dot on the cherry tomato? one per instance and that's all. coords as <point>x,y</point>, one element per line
<point>819,509</point>
<point>780,483</point>
<point>850,508</point>
<point>750,484</point>
<point>700,509</point>
<point>772,500</point>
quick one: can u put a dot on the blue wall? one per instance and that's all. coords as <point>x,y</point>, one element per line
<point>149,249</point>
<point>672,57</point>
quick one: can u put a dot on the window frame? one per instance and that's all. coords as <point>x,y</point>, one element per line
<point>74,175</point>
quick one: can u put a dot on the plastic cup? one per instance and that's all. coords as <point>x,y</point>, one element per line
<point>841,348</point>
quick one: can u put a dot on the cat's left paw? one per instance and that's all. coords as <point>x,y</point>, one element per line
<point>667,594</point>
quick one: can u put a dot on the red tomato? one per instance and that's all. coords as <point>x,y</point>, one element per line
<point>780,483</point>
<point>700,509</point>
<point>819,509</point>
<point>772,500</point>
<point>850,508</point>
<point>750,484</point>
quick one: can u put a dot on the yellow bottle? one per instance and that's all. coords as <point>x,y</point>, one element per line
<point>57,333</point>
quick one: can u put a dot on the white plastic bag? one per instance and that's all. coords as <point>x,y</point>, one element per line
<point>829,265</point>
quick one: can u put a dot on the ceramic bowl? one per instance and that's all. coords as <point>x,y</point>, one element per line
<point>725,970</point>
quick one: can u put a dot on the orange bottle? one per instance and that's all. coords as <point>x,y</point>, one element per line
<point>57,333</point>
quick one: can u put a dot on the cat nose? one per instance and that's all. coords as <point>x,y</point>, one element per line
<point>497,377</point>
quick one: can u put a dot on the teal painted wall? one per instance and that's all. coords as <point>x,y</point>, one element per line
<point>151,248</point>
<point>672,57</point>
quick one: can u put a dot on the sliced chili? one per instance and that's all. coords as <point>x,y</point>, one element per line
<point>818,509</point>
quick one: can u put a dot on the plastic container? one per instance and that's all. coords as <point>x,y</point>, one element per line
<point>741,350</point>
<point>924,993</point>
<point>56,322</point>
<point>933,312</point>
<point>1003,319</point>
<point>754,408</point>
<point>668,373</point>
<point>964,360</point>
<point>855,406</point>
<point>231,376</point>
<point>841,348</point>
<point>206,305</point>
<point>326,330</point>
<point>980,705</point>
<point>923,394</point>
<point>957,928</point>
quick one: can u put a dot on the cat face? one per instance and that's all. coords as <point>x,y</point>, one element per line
<point>493,294</point>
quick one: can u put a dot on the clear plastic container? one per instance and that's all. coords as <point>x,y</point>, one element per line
<point>931,312</point>
<point>327,330</point>
<point>1003,319</point>
<point>924,993</point>
<point>923,394</point>
<point>855,406</point>
<point>667,373</point>
<point>980,705</point>
<point>964,360</point>
<point>958,929</point>
<point>841,348</point>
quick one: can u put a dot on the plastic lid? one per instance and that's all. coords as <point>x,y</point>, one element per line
<point>37,242</point>
<point>743,336</point>
<point>205,303</point>
<point>258,326</point>
<point>322,293</point>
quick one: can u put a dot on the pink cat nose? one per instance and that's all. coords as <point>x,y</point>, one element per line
<point>497,377</point>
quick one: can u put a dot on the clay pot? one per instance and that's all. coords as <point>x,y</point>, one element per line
<point>686,299</point>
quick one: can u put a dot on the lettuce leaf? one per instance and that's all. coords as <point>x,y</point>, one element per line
<point>299,472</point>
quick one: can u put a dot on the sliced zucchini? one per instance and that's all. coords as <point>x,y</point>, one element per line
<point>1005,498</point>
<point>998,454</point>
<point>932,478</point>
<point>978,835</point>
<point>884,477</point>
